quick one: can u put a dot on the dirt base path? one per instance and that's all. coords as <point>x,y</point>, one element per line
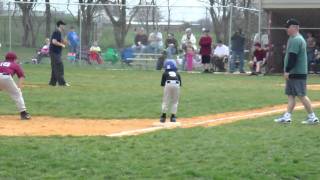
<point>49,126</point>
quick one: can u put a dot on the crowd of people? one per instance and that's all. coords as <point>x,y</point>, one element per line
<point>214,56</point>
<point>187,46</point>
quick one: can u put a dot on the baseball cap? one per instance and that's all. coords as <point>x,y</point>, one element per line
<point>291,21</point>
<point>60,22</point>
<point>11,56</point>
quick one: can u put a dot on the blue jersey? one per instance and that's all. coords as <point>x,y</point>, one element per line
<point>73,38</point>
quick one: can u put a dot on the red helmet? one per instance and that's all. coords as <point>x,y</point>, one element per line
<point>11,56</point>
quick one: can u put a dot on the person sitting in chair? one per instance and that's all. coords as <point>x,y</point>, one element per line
<point>258,60</point>
<point>43,52</point>
<point>220,56</point>
<point>95,51</point>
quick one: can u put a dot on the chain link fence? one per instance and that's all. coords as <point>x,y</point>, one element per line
<point>115,28</point>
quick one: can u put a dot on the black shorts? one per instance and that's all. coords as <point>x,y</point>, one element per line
<point>296,87</point>
<point>205,59</point>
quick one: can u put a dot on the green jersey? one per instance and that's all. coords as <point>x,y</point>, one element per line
<point>297,45</point>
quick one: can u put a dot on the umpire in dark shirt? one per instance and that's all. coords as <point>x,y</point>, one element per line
<point>56,45</point>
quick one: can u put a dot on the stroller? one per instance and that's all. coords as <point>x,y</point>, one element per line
<point>40,53</point>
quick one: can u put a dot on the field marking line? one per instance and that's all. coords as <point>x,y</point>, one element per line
<point>251,115</point>
<point>237,117</point>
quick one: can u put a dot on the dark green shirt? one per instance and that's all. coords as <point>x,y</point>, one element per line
<point>297,44</point>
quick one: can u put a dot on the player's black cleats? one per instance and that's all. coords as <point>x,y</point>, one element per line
<point>24,115</point>
<point>173,118</point>
<point>163,118</point>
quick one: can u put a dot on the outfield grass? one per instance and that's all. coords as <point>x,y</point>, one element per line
<point>259,149</point>
<point>102,93</point>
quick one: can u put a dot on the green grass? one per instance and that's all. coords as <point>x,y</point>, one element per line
<point>102,93</point>
<point>259,149</point>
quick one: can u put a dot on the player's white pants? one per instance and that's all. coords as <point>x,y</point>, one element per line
<point>7,84</point>
<point>171,94</point>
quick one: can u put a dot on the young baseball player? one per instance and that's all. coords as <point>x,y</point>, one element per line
<point>9,68</point>
<point>171,81</point>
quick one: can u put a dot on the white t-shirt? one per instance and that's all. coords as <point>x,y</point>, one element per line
<point>156,37</point>
<point>192,39</point>
<point>221,51</point>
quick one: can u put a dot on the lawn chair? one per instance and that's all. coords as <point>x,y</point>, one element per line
<point>127,55</point>
<point>111,55</point>
<point>95,57</point>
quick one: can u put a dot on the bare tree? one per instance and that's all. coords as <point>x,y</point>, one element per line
<point>48,18</point>
<point>220,16</point>
<point>121,24</point>
<point>27,24</point>
<point>169,17</point>
<point>148,13</point>
<point>87,16</point>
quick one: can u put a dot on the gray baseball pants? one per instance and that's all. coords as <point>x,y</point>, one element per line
<point>7,84</point>
<point>171,95</point>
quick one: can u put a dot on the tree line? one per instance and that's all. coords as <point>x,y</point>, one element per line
<point>121,17</point>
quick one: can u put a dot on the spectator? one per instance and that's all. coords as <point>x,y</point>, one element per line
<point>205,49</point>
<point>259,58</point>
<point>155,41</point>
<point>220,56</point>
<point>95,53</point>
<point>43,52</point>
<point>237,48</point>
<point>188,37</point>
<point>311,47</point>
<point>171,45</point>
<point>140,41</point>
<point>190,53</point>
<point>73,40</point>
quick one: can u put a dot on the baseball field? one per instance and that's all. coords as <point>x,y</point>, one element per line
<point>69,135</point>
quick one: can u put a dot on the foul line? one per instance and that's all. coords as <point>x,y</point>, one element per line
<point>237,117</point>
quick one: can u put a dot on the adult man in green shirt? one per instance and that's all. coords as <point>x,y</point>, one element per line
<point>295,74</point>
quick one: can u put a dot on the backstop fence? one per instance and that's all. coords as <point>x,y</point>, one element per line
<point>25,26</point>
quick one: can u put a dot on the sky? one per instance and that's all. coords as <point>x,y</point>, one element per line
<point>192,10</point>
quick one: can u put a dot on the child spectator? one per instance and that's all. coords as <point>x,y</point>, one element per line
<point>95,51</point>
<point>171,81</point>
<point>259,59</point>
<point>43,52</point>
<point>190,52</point>
<point>8,69</point>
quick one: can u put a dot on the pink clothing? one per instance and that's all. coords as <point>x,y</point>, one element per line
<point>189,58</point>
<point>11,68</point>
<point>45,49</point>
